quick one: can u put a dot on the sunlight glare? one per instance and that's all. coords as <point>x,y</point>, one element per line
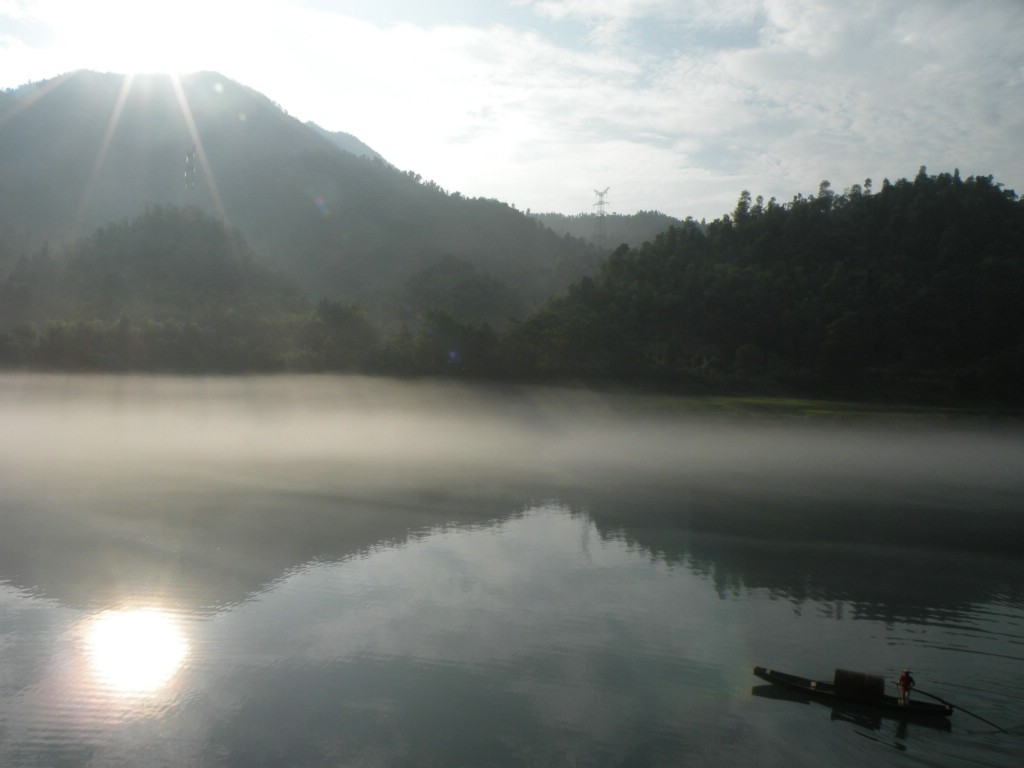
<point>135,651</point>
<point>134,37</point>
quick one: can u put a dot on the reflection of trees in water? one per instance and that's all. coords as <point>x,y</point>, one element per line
<point>211,547</point>
<point>879,562</point>
<point>216,541</point>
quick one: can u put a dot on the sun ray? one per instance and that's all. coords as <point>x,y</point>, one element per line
<point>115,116</point>
<point>186,113</point>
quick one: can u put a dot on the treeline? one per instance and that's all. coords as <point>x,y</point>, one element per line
<point>915,292</point>
<point>170,290</point>
<point>912,292</point>
<point>174,291</point>
<point>609,230</point>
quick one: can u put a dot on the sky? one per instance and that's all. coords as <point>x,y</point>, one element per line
<point>672,105</point>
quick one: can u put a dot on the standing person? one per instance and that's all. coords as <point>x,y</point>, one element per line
<point>906,682</point>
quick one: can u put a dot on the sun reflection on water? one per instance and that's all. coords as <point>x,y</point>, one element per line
<point>136,650</point>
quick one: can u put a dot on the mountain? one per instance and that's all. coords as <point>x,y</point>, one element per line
<point>84,150</point>
<point>80,151</point>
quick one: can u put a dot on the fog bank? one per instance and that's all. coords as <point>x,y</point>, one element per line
<point>377,431</point>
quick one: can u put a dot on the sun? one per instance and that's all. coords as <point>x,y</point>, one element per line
<point>135,651</point>
<point>146,36</point>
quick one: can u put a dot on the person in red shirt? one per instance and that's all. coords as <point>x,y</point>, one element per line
<point>906,682</point>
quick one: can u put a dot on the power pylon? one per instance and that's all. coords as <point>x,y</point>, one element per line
<point>190,170</point>
<point>600,235</point>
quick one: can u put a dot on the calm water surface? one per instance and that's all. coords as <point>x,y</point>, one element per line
<point>327,572</point>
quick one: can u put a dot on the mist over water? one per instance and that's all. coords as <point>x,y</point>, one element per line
<point>365,571</point>
<point>141,424</point>
<point>414,442</point>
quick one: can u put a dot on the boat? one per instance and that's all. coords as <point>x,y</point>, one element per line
<point>855,688</point>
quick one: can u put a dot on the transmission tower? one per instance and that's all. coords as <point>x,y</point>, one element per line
<point>600,235</point>
<point>190,170</point>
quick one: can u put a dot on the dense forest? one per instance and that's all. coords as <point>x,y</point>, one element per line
<point>913,292</point>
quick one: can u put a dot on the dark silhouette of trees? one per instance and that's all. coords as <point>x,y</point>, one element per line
<point>916,291</point>
<point>912,292</point>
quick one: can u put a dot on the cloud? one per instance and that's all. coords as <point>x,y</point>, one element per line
<point>675,105</point>
<point>817,90</point>
<point>890,88</point>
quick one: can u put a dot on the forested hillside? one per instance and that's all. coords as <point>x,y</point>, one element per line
<point>85,150</point>
<point>916,291</point>
<point>912,293</point>
<point>171,290</point>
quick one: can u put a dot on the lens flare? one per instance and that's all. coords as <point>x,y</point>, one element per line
<point>135,651</point>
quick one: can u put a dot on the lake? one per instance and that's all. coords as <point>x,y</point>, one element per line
<point>330,571</point>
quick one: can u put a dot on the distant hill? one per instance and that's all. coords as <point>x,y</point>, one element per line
<point>611,230</point>
<point>346,142</point>
<point>171,289</point>
<point>87,149</point>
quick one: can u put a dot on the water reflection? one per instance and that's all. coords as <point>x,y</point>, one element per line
<point>532,639</point>
<point>204,492</point>
<point>368,578</point>
<point>862,716</point>
<point>134,651</point>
